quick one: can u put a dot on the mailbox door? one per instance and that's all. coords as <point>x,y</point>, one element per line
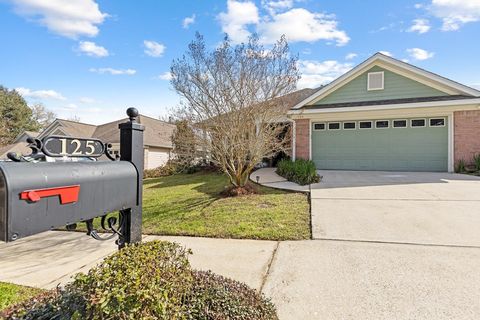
<point>35,192</point>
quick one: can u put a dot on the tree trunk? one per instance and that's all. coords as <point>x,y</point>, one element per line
<point>240,178</point>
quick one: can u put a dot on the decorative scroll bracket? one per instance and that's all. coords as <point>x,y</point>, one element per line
<point>116,226</point>
<point>34,144</point>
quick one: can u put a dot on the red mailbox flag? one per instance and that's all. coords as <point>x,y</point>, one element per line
<point>68,194</point>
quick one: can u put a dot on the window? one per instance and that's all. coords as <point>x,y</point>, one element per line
<point>417,123</point>
<point>365,124</point>
<point>399,123</point>
<point>333,125</point>
<point>349,125</point>
<point>382,124</point>
<point>437,122</point>
<point>375,81</point>
<point>319,126</point>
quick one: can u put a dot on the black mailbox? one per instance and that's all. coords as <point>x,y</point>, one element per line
<point>36,197</point>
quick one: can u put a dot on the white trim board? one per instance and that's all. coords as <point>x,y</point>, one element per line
<point>397,66</point>
<point>457,103</point>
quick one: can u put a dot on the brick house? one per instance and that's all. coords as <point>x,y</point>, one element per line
<point>386,114</point>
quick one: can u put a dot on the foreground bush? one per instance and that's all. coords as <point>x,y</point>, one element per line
<point>215,297</point>
<point>299,171</point>
<point>151,280</point>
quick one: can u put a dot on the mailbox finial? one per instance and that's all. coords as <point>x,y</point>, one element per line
<point>132,113</point>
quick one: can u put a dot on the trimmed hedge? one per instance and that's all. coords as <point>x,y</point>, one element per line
<point>299,171</point>
<point>151,280</point>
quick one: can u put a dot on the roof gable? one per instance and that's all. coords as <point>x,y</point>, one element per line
<point>399,68</point>
<point>395,87</point>
<point>157,133</point>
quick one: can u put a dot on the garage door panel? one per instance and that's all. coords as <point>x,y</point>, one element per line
<point>408,149</point>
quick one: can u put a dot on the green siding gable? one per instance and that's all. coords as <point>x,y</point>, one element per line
<point>395,87</point>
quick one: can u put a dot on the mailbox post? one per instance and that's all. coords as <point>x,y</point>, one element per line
<point>131,149</point>
<point>40,196</point>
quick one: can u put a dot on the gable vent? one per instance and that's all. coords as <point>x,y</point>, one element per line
<point>375,81</point>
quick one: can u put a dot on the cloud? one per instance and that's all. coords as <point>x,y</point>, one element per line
<point>188,21</point>
<point>71,106</point>
<point>386,53</point>
<point>112,71</point>
<point>384,28</point>
<point>420,26</point>
<point>39,94</point>
<point>302,25</point>
<point>91,49</point>
<point>153,48</point>
<point>86,100</point>
<point>72,19</point>
<point>420,54</point>
<point>316,73</point>
<point>238,16</point>
<point>455,13</point>
<point>274,6</point>
<point>165,76</point>
<point>298,24</point>
<point>307,51</point>
<point>351,56</point>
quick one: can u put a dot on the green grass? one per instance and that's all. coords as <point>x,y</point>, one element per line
<point>11,294</point>
<point>191,205</point>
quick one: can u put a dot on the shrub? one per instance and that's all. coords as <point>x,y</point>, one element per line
<point>61,304</point>
<point>299,171</point>
<point>147,280</point>
<point>166,170</point>
<point>460,166</point>
<point>151,280</point>
<point>216,297</point>
<point>476,161</point>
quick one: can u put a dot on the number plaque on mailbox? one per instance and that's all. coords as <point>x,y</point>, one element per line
<point>40,195</point>
<point>59,146</point>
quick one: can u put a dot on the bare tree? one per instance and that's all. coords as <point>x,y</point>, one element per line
<point>231,96</point>
<point>42,115</point>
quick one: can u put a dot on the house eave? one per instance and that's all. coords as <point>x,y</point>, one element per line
<point>467,103</point>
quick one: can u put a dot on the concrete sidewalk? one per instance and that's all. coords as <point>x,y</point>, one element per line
<point>313,279</point>
<point>268,178</point>
<point>51,258</point>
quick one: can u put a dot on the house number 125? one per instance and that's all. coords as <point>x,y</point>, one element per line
<point>59,146</point>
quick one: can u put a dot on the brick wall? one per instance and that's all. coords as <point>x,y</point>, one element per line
<point>466,134</point>
<point>302,138</point>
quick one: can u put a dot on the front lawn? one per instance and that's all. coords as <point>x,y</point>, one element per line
<point>191,204</point>
<point>11,294</point>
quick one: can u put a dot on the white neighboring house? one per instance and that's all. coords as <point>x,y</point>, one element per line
<point>157,137</point>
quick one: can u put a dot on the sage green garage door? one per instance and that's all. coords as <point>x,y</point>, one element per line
<point>419,144</point>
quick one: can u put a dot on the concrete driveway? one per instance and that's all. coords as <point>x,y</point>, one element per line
<point>400,207</point>
<point>390,245</point>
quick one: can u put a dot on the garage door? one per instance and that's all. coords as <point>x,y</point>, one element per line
<point>419,144</point>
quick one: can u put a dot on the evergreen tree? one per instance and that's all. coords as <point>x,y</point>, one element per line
<point>15,116</point>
